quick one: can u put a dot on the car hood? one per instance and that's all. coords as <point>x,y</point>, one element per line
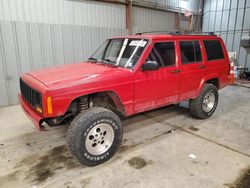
<point>79,73</point>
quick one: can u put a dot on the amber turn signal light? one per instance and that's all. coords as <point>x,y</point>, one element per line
<point>49,105</point>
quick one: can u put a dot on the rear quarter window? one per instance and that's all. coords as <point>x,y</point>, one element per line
<point>213,50</point>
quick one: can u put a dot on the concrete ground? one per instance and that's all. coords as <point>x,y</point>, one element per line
<point>161,148</point>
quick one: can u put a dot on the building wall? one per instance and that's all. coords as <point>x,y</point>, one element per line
<point>70,12</point>
<point>42,33</point>
<point>152,20</point>
<point>230,20</point>
<point>178,5</point>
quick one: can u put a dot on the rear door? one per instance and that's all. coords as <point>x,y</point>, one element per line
<point>159,87</point>
<point>192,67</point>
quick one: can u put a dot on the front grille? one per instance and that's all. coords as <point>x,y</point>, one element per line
<point>30,95</point>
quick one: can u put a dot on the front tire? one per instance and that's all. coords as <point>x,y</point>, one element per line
<point>205,104</point>
<point>94,136</point>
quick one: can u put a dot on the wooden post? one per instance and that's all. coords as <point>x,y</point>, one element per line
<point>177,22</point>
<point>129,16</point>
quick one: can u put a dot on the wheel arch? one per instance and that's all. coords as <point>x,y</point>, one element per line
<point>105,96</point>
<point>213,80</point>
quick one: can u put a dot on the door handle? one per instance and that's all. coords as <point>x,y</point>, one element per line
<point>175,71</point>
<point>202,67</point>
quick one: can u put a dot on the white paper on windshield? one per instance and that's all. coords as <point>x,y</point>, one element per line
<point>140,43</point>
<point>129,64</point>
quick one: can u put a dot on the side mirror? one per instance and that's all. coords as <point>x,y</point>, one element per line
<point>150,65</point>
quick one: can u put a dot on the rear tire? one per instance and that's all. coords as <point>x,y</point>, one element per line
<point>94,136</point>
<point>205,104</point>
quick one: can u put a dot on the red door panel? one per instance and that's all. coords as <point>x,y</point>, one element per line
<point>190,79</point>
<point>191,73</point>
<point>155,88</point>
<point>159,87</point>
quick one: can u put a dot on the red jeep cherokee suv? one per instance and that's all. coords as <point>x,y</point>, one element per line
<point>125,76</point>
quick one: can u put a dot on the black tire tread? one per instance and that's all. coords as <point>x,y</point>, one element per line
<point>194,104</point>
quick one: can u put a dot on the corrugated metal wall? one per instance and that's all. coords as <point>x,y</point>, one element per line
<point>230,20</point>
<point>153,20</point>
<point>191,5</point>
<point>73,12</point>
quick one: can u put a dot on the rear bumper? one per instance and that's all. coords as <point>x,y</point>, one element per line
<point>31,114</point>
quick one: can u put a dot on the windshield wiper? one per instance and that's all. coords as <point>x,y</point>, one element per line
<point>104,61</point>
<point>109,62</point>
<point>92,59</point>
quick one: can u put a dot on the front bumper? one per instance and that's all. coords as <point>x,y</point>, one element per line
<point>31,114</point>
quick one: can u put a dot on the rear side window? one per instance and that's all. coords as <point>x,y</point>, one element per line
<point>213,49</point>
<point>190,51</point>
<point>163,53</point>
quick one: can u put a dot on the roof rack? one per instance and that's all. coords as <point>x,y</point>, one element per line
<point>156,32</point>
<point>177,33</point>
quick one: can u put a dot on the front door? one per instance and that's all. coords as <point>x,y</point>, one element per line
<point>158,87</point>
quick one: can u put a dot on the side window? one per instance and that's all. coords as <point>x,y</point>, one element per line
<point>163,53</point>
<point>213,49</point>
<point>190,52</point>
<point>152,57</point>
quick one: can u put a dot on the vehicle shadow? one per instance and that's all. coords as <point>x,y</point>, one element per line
<point>168,115</point>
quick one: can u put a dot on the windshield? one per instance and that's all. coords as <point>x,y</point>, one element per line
<point>121,52</point>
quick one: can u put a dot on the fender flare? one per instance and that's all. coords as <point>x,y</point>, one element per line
<point>114,96</point>
<point>202,83</point>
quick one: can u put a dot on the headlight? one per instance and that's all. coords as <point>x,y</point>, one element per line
<point>38,109</point>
